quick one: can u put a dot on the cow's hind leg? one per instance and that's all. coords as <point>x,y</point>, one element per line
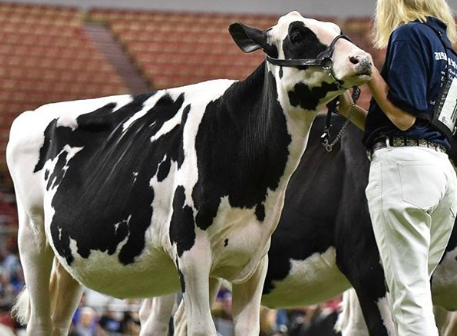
<point>36,257</point>
<point>374,309</point>
<point>66,294</point>
<point>155,315</point>
<point>246,302</point>
<point>350,321</point>
<point>180,322</point>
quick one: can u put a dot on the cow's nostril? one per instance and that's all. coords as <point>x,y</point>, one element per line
<point>354,60</point>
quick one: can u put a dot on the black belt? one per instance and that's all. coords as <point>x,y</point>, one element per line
<point>398,141</point>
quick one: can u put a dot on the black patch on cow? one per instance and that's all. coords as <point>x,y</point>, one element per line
<point>164,170</point>
<point>103,195</point>
<point>182,226</point>
<point>308,98</point>
<point>242,147</point>
<point>181,277</point>
<point>301,43</point>
<point>226,241</point>
<point>273,51</point>
<point>260,212</point>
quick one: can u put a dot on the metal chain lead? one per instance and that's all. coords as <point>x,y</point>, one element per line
<point>325,137</point>
<point>329,146</point>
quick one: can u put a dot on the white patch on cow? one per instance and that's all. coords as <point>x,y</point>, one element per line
<point>236,225</point>
<point>317,271</point>
<point>169,125</point>
<point>147,105</point>
<point>325,30</point>
<point>51,164</point>
<point>158,234</point>
<point>386,315</point>
<point>67,121</point>
<point>240,226</point>
<point>444,282</point>
<point>72,151</point>
<point>116,226</point>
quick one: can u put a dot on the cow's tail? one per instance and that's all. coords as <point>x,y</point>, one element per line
<point>21,310</point>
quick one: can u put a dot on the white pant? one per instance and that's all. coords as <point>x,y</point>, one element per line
<point>412,201</point>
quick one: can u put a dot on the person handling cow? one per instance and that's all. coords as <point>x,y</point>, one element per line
<point>412,185</point>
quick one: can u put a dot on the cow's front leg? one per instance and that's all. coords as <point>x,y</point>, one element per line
<point>246,302</point>
<point>194,267</point>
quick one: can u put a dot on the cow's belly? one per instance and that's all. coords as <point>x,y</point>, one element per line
<point>310,281</point>
<point>444,282</point>
<point>151,274</point>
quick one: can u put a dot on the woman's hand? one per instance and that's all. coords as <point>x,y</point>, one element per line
<point>345,103</point>
<point>351,111</point>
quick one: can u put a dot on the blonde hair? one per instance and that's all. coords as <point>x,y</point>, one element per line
<point>390,14</point>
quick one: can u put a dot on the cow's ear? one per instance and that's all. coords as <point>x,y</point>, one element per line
<point>248,38</point>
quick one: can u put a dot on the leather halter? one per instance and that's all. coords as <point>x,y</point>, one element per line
<point>324,59</point>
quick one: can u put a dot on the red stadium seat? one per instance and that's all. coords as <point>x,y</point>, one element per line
<point>46,56</point>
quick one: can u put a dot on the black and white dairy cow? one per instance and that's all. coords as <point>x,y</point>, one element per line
<point>324,243</point>
<point>127,193</point>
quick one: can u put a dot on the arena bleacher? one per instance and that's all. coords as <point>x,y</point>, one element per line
<point>45,56</point>
<point>174,49</point>
<point>48,53</point>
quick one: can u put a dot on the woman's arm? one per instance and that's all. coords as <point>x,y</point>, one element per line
<point>379,89</point>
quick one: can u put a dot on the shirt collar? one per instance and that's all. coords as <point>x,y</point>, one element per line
<point>438,24</point>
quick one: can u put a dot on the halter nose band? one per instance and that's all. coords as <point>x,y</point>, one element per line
<point>324,59</point>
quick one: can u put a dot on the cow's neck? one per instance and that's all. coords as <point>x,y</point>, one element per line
<point>276,115</point>
<point>261,151</point>
<point>257,146</point>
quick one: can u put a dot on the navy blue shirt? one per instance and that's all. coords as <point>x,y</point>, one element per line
<point>415,62</point>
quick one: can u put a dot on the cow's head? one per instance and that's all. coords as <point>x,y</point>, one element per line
<point>309,58</point>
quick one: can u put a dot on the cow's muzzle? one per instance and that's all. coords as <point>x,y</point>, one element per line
<point>363,65</point>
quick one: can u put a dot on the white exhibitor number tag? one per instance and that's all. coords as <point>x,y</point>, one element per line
<point>448,114</point>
